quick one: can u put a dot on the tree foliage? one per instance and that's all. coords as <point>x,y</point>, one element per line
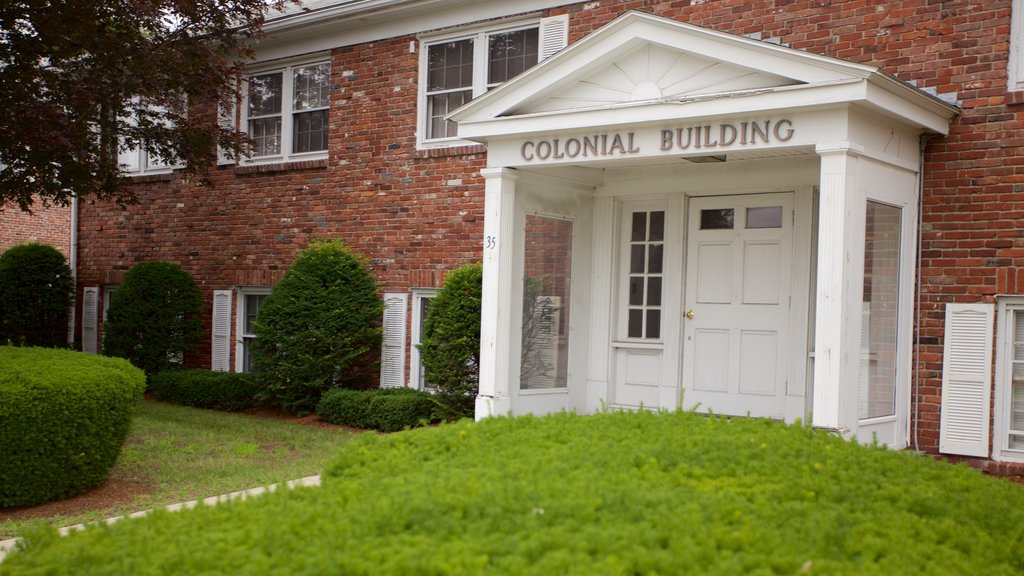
<point>36,293</point>
<point>450,349</point>
<point>81,79</point>
<point>319,328</point>
<point>153,319</point>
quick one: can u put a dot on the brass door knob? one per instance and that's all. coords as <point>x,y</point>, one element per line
<point>690,314</point>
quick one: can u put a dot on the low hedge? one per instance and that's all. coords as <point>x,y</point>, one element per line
<point>228,391</point>
<point>615,493</point>
<point>63,418</point>
<point>384,409</point>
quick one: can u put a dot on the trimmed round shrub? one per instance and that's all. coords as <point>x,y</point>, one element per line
<point>384,409</point>
<point>36,289</point>
<point>319,328</point>
<point>450,348</point>
<point>154,317</point>
<point>228,391</point>
<point>65,416</point>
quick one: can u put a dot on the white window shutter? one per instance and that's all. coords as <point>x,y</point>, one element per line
<point>90,316</point>
<point>392,358</point>
<point>226,120</point>
<point>966,379</point>
<point>554,35</point>
<point>220,342</point>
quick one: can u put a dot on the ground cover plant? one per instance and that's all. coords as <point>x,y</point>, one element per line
<point>64,416</point>
<point>36,289</point>
<point>319,328</point>
<point>615,493</point>
<point>175,454</point>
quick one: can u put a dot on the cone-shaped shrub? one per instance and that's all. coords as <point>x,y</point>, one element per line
<point>153,319</point>
<point>319,329</point>
<point>35,292</point>
<point>450,349</point>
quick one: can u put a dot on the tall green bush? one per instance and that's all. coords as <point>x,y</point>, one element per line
<point>319,329</point>
<point>36,290</point>
<point>154,317</point>
<point>64,416</point>
<point>450,349</point>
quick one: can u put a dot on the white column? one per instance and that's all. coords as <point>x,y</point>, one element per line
<point>496,323</point>
<point>837,320</point>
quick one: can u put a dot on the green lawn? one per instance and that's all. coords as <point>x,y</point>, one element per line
<point>614,493</point>
<point>183,454</point>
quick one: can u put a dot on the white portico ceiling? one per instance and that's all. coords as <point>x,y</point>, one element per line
<point>641,68</point>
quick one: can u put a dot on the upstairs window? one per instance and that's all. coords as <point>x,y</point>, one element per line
<point>287,110</point>
<point>457,68</point>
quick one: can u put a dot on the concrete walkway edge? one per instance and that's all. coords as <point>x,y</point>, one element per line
<point>6,546</point>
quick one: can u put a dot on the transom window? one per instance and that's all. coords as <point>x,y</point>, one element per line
<point>286,110</point>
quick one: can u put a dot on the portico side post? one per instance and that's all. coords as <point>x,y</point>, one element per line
<point>496,323</point>
<point>836,335</point>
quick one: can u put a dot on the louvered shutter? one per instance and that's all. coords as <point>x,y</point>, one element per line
<point>554,35</point>
<point>225,120</point>
<point>90,316</point>
<point>392,363</point>
<point>966,379</point>
<point>220,342</point>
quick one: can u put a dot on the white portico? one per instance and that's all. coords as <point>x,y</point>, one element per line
<point>681,217</point>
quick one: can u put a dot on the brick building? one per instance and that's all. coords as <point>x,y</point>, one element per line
<point>784,208</point>
<point>50,225</point>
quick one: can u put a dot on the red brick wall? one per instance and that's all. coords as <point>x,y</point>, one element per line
<point>43,225</point>
<point>417,214</point>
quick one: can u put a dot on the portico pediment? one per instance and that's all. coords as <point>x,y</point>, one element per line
<point>643,68</point>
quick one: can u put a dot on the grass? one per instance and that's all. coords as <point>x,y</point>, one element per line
<point>184,454</point>
<point>614,493</point>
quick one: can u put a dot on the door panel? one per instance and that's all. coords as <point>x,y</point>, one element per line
<point>738,283</point>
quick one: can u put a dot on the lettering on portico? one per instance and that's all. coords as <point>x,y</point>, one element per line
<point>683,139</point>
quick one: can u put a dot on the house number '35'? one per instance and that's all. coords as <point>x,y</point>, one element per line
<point>490,242</point>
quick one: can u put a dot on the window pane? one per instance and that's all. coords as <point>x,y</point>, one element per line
<point>312,87</point>
<point>880,311</point>
<point>510,53</point>
<point>654,323</point>
<point>657,226</point>
<point>266,135</point>
<point>717,219</point>
<point>654,259</point>
<point>310,131</point>
<point>654,292</point>
<point>764,217</point>
<point>639,228</point>
<point>636,259</point>
<point>636,324</point>
<point>636,291</point>
<point>450,65</point>
<point>546,296</point>
<point>265,94</point>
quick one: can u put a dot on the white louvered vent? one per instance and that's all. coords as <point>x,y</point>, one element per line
<point>220,342</point>
<point>90,316</point>
<point>554,35</point>
<point>225,119</point>
<point>392,360</point>
<point>966,379</point>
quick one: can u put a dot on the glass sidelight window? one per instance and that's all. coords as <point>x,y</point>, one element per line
<point>646,272</point>
<point>879,312</point>
<point>547,268</point>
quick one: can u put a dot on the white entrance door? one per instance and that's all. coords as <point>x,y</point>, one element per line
<point>736,341</point>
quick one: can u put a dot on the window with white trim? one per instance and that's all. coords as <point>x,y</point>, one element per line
<point>643,256</point>
<point>1015,76</point>
<point>249,302</point>
<point>456,68</point>
<point>421,300</point>
<point>137,160</point>
<point>286,111</point>
<point>1008,442</point>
